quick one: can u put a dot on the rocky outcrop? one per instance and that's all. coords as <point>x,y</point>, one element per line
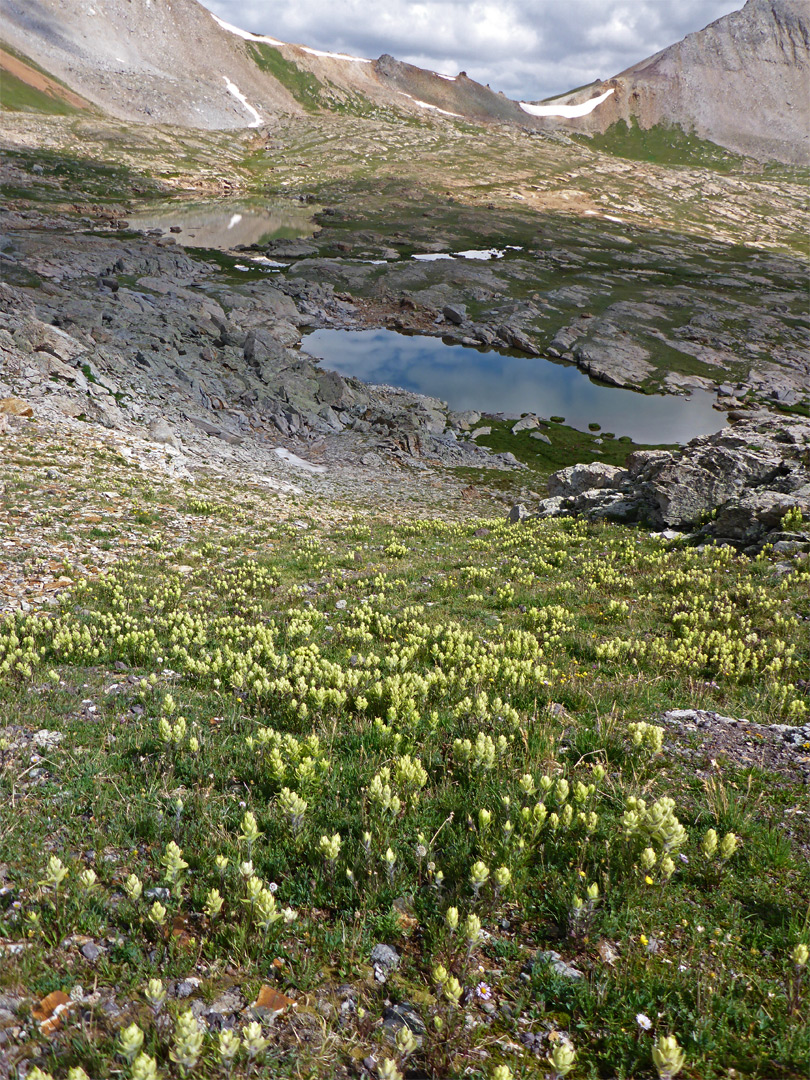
<point>578,478</point>
<point>613,360</point>
<point>741,82</point>
<point>178,354</point>
<point>735,487</point>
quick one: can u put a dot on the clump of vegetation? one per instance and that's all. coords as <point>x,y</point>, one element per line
<point>303,86</point>
<point>665,145</point>
<point>442,737</point>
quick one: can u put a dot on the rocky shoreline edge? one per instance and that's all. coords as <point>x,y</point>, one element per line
<point>747,486</point>
<point>139,336</point>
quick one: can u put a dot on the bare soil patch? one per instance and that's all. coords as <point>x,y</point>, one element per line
<point>31,77</point>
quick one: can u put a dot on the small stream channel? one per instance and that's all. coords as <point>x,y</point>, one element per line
<point>494,382</point>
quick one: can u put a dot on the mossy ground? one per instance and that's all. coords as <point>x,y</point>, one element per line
<point>567,445</point>
<point>664,145</point>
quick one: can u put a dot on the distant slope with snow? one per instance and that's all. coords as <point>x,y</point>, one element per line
<point>147,60</point>
<point>178,63</point>
<point>743,82</point>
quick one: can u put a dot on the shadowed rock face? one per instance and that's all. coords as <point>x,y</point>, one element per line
<point>742,82</point>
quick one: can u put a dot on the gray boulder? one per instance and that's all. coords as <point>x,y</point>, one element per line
<point>615,360</point>
<point>511,335</point>
<point>746,477</point>
<point>578,478</point>
<point>710,471</point>
<point>642,464</point>
<point>455,313</point>
<point>291,249</point>
<point>384,960</point>
<point>33,335</point>
<point>518,513</point>
<point>749,518</point>
<point>161,432</point>
<point>261,346</point>
<point>606,505</point>
<point>557,964</point>
<point>333,390</point>
<point>465,420</point>
<point>553,507</point>
<point>526,423</point>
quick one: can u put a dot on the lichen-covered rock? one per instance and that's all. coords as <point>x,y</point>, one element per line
<point>751,516</point>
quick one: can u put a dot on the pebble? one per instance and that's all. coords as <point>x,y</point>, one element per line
<point>186,988</point>
<point>403,1015</point>
<point>557,964</point>
<point>794,738</point>
<point>384,960</point>
<point>47,740</point>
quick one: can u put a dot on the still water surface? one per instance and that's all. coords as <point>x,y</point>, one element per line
<point>493,382</point>
<point>226,224</point>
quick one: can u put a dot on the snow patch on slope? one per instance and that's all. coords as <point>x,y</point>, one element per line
<point>234,90</point>
<point>427,105</point>
<point>568,111</point>
<point>297,462</point>
<point>247,36</point>
<point>334,55</point>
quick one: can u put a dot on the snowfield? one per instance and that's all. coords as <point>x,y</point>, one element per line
<point>245,34</point>
<point>568,111</point>
<point>334,55</point>
<point>427,105</point>
<point>297,462</point>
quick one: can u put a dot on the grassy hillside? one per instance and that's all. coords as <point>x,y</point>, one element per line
<point>27,87</point>
<point>664,145</point>
<point>18,96</point>
<point>304,87</point>
<point>261,744</point>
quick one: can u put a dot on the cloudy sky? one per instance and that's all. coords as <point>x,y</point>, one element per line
<point>529,49</point>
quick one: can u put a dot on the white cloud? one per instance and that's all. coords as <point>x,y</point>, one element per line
<point>530,49</point>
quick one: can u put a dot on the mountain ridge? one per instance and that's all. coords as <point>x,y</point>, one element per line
<point>179,64</point>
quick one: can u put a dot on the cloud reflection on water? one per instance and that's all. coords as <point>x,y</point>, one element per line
<point>493,382</point>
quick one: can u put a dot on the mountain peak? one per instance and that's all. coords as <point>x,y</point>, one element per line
<point>741,82</point>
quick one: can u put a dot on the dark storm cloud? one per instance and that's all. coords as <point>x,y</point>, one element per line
<point>530,49</point>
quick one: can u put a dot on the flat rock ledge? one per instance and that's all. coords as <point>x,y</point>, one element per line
<point>734,487</point>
